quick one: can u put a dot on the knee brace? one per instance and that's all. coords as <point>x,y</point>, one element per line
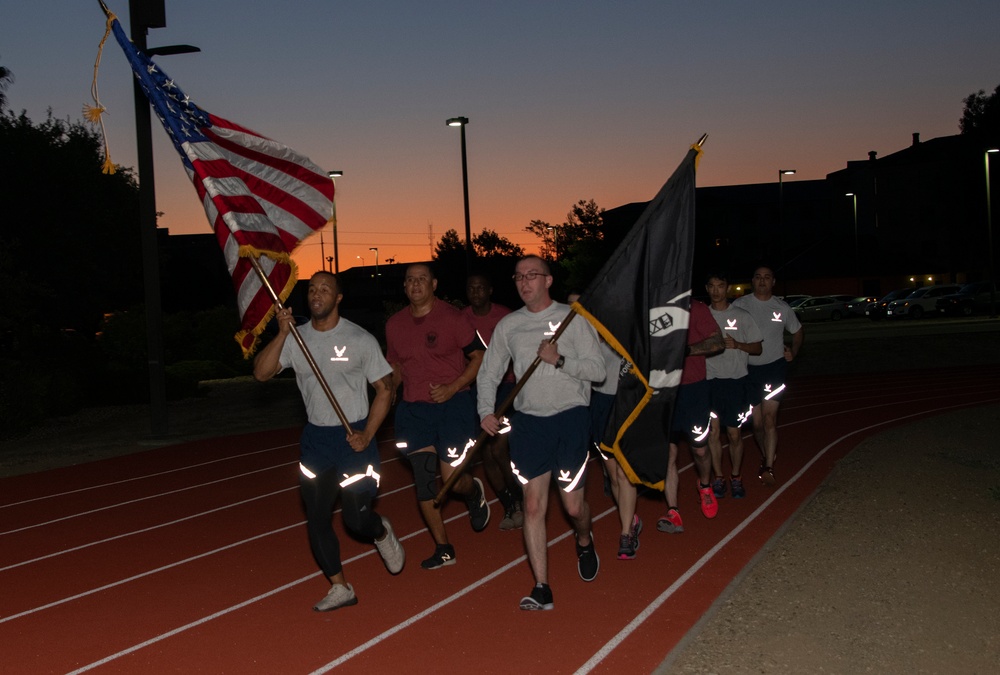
<point>425,474</point>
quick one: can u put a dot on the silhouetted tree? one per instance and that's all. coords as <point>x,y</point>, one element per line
<point>982,114</point>
<point>488,244</point>
<point>71,231</point>
<point>584,221</point>
<point>6,77</point>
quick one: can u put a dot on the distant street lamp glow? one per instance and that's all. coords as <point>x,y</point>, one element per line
<point>375,248</point>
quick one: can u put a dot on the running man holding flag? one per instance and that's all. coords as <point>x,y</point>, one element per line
<point>334,461</point>
<point>550,430</point>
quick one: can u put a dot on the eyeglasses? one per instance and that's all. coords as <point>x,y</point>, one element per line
<point>530,276</point>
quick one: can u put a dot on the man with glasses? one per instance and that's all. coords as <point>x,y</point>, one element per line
<point>435,352</point>
<point>550,430</point>
<point>768,370</point>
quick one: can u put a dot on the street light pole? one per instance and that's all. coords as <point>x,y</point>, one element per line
<point>142,17</point>
<point>461,122</point>
<point>336,173</point>
<point>375,248</point>
<point>857,257</point>
<point>989,233</point>
<point>781,197</point>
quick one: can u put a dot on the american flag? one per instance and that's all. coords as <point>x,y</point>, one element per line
<point>260,196</point>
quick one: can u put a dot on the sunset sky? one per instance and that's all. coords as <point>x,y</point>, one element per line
<point>566,100</point>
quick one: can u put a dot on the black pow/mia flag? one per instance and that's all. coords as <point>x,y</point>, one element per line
<point>639,303</point>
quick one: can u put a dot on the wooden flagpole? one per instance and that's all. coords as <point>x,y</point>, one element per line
<point>305,350</point>
<point>500,411</point>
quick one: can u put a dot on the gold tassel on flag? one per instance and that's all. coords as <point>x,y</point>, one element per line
<point>93,113</point>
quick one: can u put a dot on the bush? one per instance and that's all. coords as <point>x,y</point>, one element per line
<point>183,377</point>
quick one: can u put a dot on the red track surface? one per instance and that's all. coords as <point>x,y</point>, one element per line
<point>193,558</point>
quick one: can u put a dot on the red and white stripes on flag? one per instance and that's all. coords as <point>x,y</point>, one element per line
<point>261,197</point>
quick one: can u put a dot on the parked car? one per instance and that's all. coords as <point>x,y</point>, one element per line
<point>920,301</point>
<point>821,308</point>
<point>876,310</point>
<point>858,305</point>
<point>842,298</point>
<point>795,300</point>
<point>973,298</point>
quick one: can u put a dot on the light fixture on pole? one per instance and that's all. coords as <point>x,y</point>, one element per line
<point>857,257</point>
<point>334,175</point>
<point>461,122</point>
<point>989,232</point>
<point>361,259</point>
<point>375,248</point>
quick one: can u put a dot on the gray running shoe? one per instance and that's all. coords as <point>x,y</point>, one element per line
<point>338,596</point>
<point>390,549</point>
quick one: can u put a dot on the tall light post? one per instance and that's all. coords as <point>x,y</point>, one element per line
<point>461,122</point>
<point>554,229</point>
<point>361,259</point>
<point>334,175</point>
<point>142,17</point>
<point>989,233</point>
<point>375,248</point>
<point>781,197</point>
<point>857,257</point>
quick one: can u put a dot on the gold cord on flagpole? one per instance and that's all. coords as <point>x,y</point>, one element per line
<point>93,113</point>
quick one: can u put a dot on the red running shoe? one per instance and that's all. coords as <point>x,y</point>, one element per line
<point>709,505</point>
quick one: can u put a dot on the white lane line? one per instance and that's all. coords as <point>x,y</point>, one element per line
<point>145,476</point>
<point>146,498</point>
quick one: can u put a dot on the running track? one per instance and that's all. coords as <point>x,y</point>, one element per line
<point>193,558</point>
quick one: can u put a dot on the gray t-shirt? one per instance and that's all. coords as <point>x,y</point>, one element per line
<point>612,366</point>
<point>349,358</point>
<point>549,390</point>
<point>736,323</point>
<point>773,317</point>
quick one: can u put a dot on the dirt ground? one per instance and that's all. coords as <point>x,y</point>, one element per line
<point>890,568</point>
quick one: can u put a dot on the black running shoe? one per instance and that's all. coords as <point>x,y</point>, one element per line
<point>444,555</point>
<point>587,561</point>
<point>479,508</point>
<point>540,598</point>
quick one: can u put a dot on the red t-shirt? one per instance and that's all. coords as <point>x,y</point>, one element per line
<point>485,325</point>
<point>428,349</point>
<point>700,326</point>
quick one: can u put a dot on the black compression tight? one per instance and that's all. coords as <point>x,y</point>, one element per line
<point>319,495</point>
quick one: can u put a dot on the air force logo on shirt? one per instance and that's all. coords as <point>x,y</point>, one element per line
<point>339,353</point>
<point>731,324</point>
<point>553,327</point>
<point>776,316</point>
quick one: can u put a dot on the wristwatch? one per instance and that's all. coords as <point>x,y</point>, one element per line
<point>560,362</point>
